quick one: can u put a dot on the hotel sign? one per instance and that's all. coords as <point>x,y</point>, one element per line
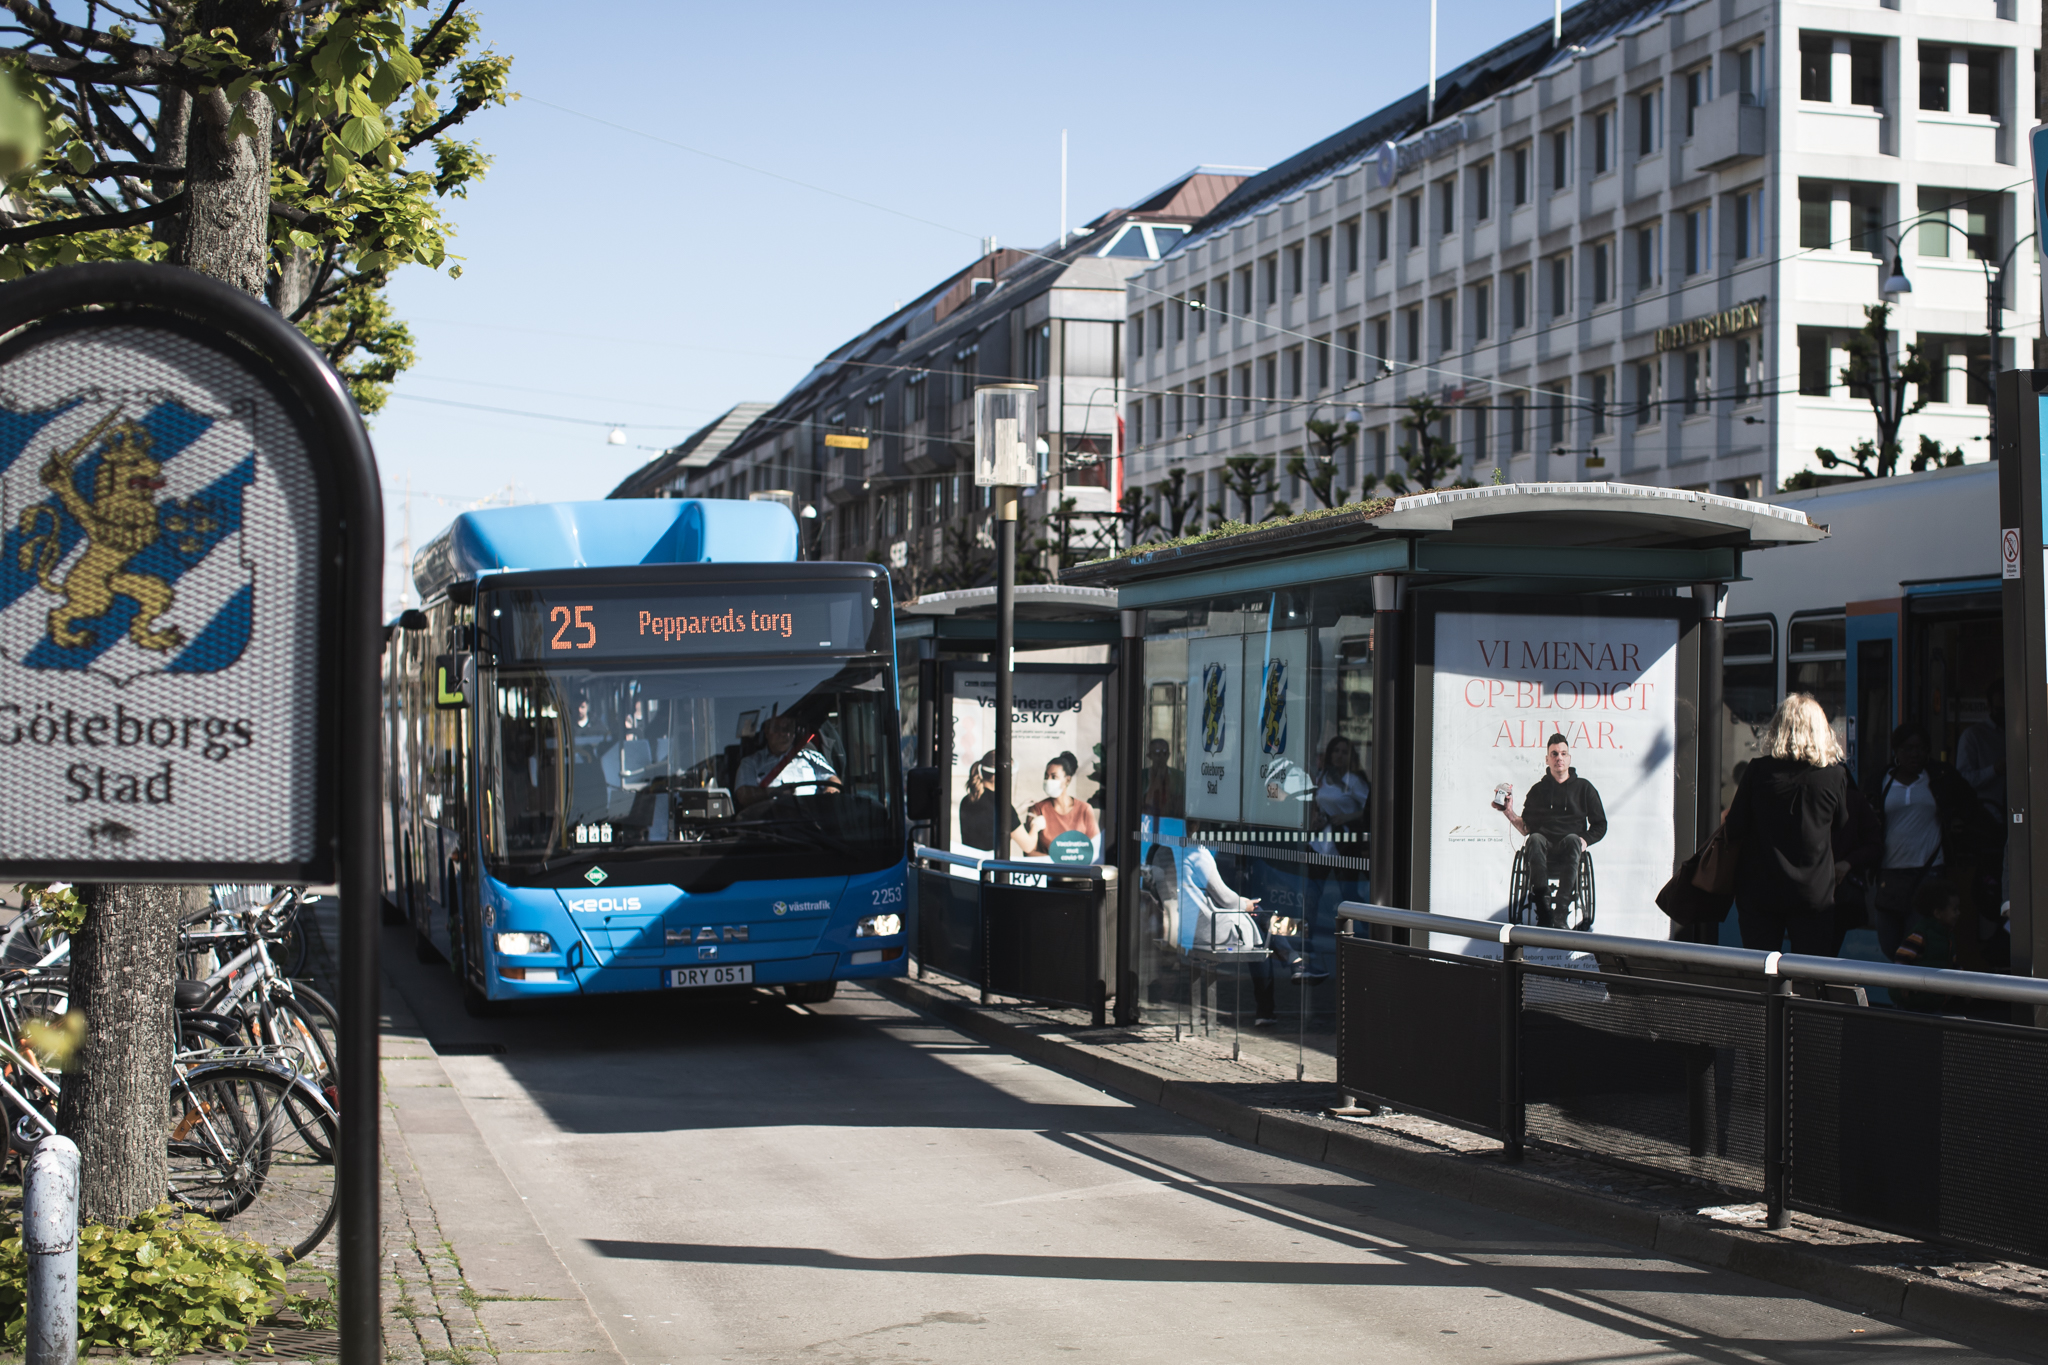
<point>1743,317</point>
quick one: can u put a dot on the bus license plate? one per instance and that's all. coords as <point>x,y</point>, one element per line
<point>738,974</point>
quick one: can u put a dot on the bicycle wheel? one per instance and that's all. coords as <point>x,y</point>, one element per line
<point>249,1145</point>
<point>27,942</point>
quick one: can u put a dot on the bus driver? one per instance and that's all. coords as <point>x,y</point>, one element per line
<point>783,763</point>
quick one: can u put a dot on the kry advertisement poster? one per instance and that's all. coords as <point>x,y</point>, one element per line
<point>1055,718</point>
<point>1505,683</point>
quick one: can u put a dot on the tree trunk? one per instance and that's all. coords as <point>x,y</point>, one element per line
<point>117,1084</point>
<point>227,218</point>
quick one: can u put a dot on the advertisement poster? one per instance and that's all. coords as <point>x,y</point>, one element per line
<point>1213,746</point>
<point>1504,684</point>
<point>1279,776</point>
<point>1056,720</point>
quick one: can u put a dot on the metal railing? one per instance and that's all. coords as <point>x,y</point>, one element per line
<point>1700,1062</point>
<point>1026,929</point>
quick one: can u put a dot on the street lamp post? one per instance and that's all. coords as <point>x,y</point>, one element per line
<point>1994,304</point>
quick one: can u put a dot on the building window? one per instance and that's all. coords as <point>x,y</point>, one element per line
<point>1180,320</point>
<point>1815,377</point>
<point>1603,271</point>
<point>1198,404</point>
<point>1816,215</point>
<point>1158,419</point>
<point>1603,142</point>
<point>1351,247</point>
<point>1699,89</point>
<point>1866,72</point>
<point>1244,390</point>
<point>1482,192</point>
<point>1446,322</point>
<point>1749,73</point>
<point>1348,341</point>
<point>1477,424</point>
<point>1138,423</point>
<point>1520,158</point>
<point>1699,380</point>
<point>1269,385</point>
<point>1323,365</point>
<point>1650,122</point>
<point>1649,257</point>
<point>1271,268</point>
<point>1746,376</point>
<point>1647,397</point>
<point>1518,300</point>
<point>1934,77</point>
<point>1295,377</point>
<point>1984,81</point>
<point>1412,207</point>
<point>1198,304</point>
<point>1597,385</point>
<point>1175,412</point>
<point>1411,323</point>
<point>1518,423</point>
<point>1382,346</point>
<point>1817,69</point>
<point>1446,207</point>
<point>1244,290</point>
<point>1381,231</point>
<point>1943,211</point>
<point>1749,225</point>
<point>1559,436</point>
<point>1137,331</point>
<point>1322,243</point>
<point>1699,241</point>
<point>1296,269</point>
<point>968,359</point>
<point>1482,310</point>
<point>1561,159</point>
<point>913,399</point>
<point>1962,369</point>
<point>1560,286</point>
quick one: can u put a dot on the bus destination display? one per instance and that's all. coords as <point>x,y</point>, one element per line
<point>542,625</point>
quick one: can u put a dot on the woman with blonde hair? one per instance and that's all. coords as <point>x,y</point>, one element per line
<point>1790,806</point>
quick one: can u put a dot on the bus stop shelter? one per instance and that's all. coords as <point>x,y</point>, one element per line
<point>1337,706</point>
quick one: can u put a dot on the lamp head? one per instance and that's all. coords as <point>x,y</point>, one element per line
<point>1897,283</point>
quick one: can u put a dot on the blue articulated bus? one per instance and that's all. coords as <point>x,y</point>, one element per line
<point>638,746</point>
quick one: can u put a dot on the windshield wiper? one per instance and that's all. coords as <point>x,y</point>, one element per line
<point>779,829</point>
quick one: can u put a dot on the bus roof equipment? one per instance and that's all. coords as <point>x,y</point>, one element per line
<point>614,533</point>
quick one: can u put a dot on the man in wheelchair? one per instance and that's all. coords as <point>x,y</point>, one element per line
<point>1561,817</point>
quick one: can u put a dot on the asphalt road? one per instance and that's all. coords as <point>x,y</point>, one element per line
<point>735,1179</point>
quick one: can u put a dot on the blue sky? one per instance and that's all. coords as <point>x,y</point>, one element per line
<point>611,276</point>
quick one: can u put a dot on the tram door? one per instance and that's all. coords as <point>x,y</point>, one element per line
<point>1955,653</point>
<point>1871,637</point>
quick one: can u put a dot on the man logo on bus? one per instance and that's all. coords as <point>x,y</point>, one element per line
<point>122,549</point>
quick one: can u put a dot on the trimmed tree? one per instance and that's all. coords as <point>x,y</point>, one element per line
<point>277,147</point>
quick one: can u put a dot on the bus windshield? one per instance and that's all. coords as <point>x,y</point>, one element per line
<point>777,761</point>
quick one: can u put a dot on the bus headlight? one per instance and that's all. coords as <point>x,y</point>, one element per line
<point>525,945</point>
<point>878,926</point>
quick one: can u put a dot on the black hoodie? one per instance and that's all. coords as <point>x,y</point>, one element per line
<point>1568,807</point>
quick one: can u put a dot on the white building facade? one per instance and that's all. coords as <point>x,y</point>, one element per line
<point>1633,254</point>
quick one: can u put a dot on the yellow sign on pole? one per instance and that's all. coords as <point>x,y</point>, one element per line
<point>847,442</point>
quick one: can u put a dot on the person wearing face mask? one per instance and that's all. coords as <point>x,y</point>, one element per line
<point>1059,813</point>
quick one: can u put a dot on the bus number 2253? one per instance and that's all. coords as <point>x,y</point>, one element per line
<point>581,621</point>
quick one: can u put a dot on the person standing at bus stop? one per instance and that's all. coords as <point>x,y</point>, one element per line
<point>1933,824</point>
<point>1790,808</point>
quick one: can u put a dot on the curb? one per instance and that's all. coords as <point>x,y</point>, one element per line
<point>1975,1316</point>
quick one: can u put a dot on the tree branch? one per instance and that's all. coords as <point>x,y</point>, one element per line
<point>462,110</point>
<point>155,70</point>
<point>426,40</point>
<point>92,222</point>
<point>52,29</point>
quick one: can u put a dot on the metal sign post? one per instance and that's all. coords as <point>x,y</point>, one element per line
<point>1005,460</point>
<point>2023,550</point>
<point>191,553</point>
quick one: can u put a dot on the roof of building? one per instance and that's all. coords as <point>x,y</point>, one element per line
<point>1585,26</point>
<point>695,451</point>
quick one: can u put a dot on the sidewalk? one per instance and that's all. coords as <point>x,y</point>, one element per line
<point>470,1277</point>
<point>1998,1305</point>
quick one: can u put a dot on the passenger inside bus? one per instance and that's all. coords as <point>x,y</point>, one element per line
<point>784,764</point>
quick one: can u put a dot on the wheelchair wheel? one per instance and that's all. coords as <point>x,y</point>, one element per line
<point>1586,896</point>
<point>1518,889</point>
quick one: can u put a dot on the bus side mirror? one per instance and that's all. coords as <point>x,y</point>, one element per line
<point>921,795</point>
<point>412,618</point>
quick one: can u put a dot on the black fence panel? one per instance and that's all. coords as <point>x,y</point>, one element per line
<point>1420,1031</point>
<point>949,924</point>
<point>1929,1127</point>
<point>1660,1076</point>
<point>1043,943</point>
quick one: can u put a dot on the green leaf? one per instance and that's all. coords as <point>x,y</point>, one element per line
<point>80,157</point>
<point>359,135</point>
